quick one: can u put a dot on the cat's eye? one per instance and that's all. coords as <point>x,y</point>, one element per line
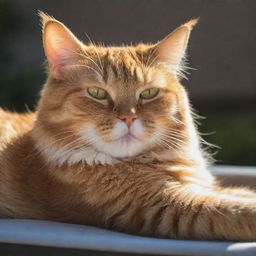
<point>149,93</point>
<point>97,93</point>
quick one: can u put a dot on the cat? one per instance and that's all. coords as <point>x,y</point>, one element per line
<point>113,144</point>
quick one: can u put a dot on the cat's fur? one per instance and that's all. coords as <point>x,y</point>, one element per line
<point>79,162</point>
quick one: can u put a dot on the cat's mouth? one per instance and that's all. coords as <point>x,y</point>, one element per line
<point>127,138</point>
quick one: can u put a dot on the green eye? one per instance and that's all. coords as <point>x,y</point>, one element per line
<point>149,93</point>
<point>97,93</point>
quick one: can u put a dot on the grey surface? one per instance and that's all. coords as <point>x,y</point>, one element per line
<point>47,233</point>
<point>53,234</point>
<point>230,175</point>
<point>233,170</point>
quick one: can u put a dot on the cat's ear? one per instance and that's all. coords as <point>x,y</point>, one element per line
<point>172,49</point>
<point>61,46</point>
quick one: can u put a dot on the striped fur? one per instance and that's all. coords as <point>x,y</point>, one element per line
<point>72,160</point>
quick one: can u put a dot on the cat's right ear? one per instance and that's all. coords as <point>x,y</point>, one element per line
<point>60,45</point>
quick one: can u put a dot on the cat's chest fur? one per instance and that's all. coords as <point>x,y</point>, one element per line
<point>88,156</point>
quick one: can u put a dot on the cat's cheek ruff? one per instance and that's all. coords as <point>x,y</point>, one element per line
<point>100,152</point>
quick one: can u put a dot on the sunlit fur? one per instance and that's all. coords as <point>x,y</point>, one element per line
<point>75,159</point>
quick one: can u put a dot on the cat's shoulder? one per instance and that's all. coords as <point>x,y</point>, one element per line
<point>13,124</point>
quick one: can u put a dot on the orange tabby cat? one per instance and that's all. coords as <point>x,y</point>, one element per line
<point>114,145</point>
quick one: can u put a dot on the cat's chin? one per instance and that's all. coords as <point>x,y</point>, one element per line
<point>127,138</point>
<point>125,147</point>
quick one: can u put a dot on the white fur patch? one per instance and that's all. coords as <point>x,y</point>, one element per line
<point>137,128</point>
<point>119,130</point>
<point>125,143</point>
<point>90,156</point>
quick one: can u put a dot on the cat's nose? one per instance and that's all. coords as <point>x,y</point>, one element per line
<point>128,119</point>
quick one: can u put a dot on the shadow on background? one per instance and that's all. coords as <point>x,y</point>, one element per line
<point>222,51</point>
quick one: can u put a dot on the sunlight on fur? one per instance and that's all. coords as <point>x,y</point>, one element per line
<point>94,131</point>
<point>113,144</point>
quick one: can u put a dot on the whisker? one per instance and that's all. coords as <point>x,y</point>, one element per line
<point>35,149</point>
<point>95,49</point>
<point>89,58</point>
<point>97,53</point>
<point>153,61</point>
<point>86,66</point>
<point>39,151</point>
<point>176,136</point>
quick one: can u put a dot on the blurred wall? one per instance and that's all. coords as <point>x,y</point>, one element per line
<point>222,47</point>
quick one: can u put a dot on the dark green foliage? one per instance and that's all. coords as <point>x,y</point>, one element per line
<point>235,133</point>
<point>19,91</point>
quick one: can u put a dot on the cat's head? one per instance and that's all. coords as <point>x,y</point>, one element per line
<point>103,103</point>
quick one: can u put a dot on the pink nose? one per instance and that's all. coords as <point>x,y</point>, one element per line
<point>128,119</point>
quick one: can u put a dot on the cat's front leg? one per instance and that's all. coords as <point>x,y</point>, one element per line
<point>189,212</point>
<point>211,215</point>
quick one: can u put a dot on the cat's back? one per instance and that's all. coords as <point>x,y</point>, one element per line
<point>13,125</point>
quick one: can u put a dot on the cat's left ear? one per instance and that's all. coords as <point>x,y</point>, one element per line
<point>172,49</point>
<point>61,47</point>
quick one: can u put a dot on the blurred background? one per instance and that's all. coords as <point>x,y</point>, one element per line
<point>222,51</point>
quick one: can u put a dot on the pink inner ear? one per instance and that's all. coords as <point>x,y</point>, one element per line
<point>60,47</point>
<point>58,60</point>
<point>60,56</point>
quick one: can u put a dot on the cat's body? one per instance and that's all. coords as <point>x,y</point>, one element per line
<point>113,144</point>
